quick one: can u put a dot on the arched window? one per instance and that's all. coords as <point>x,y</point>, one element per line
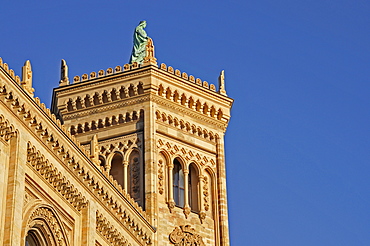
<point>193,187</point>
<point>178,184</point>
<point>31,240</point>
<point>116,169</point>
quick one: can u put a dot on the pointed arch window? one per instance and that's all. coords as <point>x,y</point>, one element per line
<point>117,170</point>
<point>193,187</point>
<point>178,184</point>
<point>32,240</point>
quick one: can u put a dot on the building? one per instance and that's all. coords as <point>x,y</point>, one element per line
<point>127,156</point>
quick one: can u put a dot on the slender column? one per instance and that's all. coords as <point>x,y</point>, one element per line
<point>187,208</point>
<point>125,173</point>
<point>171,202</point>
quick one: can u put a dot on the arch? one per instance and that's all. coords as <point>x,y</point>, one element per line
<point>117,169</point>
<point>128,117</point>
<point>105,97</point>
<point>72,130</point>
<point>69,105</point>
<point>35,238</point>
<point>122,93</point>
<point>131,91</point>
<point>107,122</point>
<point>86,127</point>
<point>93,125</point>
<point>183,99</point>
<point>160,90</point>
<point>43,227</point>
<point>158,115</point>
<point>168,93</point>
<point>96,99</point>
<point>170,119</point>
<point>78,103</point>
<point>121,118</point>
<point>79,128</point>
<point>191,102</point>
<point>113,94</point>
<point>140,89</point>
<point>178,183</point>
<point>219,114</point>
<point>176,96</point>
<point>87,101</point>
<point>212,112</point>
<point>114,120</point>
<point>193,187</point>
<point>134,116</point>
<point>205,108</point>
<point>198,106</point>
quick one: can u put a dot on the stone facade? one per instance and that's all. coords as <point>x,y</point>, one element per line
<point>128,156</point>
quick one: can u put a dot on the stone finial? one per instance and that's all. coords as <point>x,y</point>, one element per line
<point>64,80</point>
<point>26,82</point>
<point>149,58</point>
<point>94,150</point>
<point>221,83</point>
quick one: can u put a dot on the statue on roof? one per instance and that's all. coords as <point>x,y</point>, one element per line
<point>140,42</point>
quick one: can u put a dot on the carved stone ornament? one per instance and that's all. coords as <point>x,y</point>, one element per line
<point>185,235</point>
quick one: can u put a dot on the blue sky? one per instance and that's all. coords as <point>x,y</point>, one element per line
<point>298,144</point>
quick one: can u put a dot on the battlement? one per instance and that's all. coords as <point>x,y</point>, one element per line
<point>129,67</point>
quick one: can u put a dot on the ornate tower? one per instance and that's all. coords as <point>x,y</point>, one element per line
<point>157,134</point>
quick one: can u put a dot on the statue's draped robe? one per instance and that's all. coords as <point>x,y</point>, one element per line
<point>140,41</point>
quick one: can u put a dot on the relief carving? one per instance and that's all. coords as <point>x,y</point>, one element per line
<point>160,177</point>
<point>135,180</point>
<point>185,235</point>
<point>206,194</point>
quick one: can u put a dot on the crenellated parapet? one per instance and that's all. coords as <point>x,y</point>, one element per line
<point>187,77</point>
<point>9,71</point>
<point>108,72</point>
